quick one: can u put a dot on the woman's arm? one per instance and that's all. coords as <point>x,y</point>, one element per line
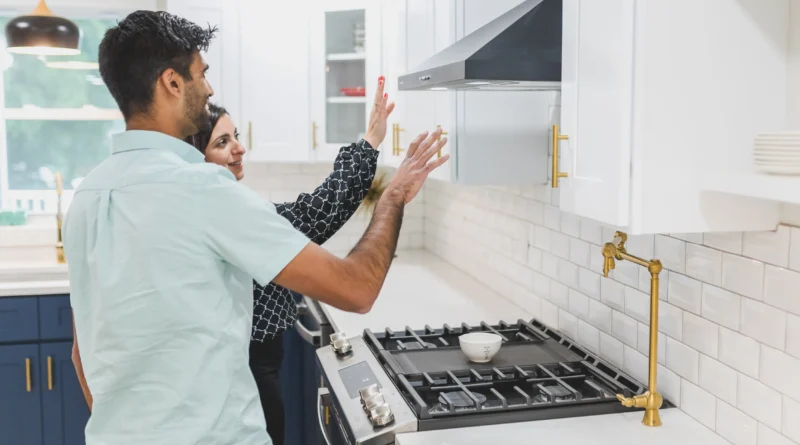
<point>76,360</point>
<point>321,214</point>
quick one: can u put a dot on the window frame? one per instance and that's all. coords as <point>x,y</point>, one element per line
<point>45,201</point>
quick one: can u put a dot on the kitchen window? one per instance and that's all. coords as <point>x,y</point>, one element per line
<point>57,116</point>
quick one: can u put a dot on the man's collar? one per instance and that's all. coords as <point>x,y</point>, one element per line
<point>141,139</point>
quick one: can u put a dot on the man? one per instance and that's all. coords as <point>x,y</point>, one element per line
<point>163,248</point>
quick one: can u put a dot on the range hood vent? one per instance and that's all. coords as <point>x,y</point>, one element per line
<point>520,50</point>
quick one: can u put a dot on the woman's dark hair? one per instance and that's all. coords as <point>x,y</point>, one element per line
<point>140,48</point>
<point>201,140</point>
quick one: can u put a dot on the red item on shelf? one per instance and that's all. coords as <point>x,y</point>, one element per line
<point>357,91</point>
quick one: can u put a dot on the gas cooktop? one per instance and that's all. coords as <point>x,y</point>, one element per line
<point>537,374</point>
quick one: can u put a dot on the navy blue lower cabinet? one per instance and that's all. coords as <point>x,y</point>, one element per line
<point>64,408</point>
<point>20,395</point>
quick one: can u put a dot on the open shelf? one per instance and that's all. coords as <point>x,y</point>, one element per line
<point>758,185</point>
<point>347,100</point>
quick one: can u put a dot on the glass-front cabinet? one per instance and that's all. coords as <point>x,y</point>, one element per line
<point>345,65</point>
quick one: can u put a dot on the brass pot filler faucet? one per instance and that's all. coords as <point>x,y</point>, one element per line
<point>651,400</point>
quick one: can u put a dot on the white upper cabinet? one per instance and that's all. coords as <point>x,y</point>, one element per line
<point>275,124</point>
<point>223,54</point>
<point>345,65</point>
<point>659,94</point>
<point>394,64</point>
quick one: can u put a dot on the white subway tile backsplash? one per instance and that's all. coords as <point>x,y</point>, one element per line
<point>568,273</point>
<point>699,404</point>
<point>696,238</point>
<point>782,289</point>
<point>669,384</point>
<point>760,402</point>
<point>740,352</point>
<point>579,252</point>
<point>704,264</point>
<point>780,371</point>
<point>793,335</point>
<point>769,247</point>
<point>535,258</point>
<point>684,360</point>
<point>595,259</point>
<point>627,273</point>
<point>794,249</point>
<point>559,245</point>
<point>571,224</point>
<point>636,364</point>
<point>591,231</point>
<point>718,379</point>
<point>701,334</point>
<point>625,329</point>
<point>541,285</point>
<point>589,336</point>
<point>550,265</point>
<point>644,343</point>
<point>612,294</point>
<point>552,218</point>
<point>791,412</point>
<point>736,426</point>
<point>600,316</point>
<point>637,305</point>
<point>542,238</point>
<point>721,306</point>
<point>579,304</point>
<point>549,313</point>
<point>642,246</point>
<point>612,349</point>
<point>663,283</point>
<point>670,320</point>
<point>727,241</point>
<point>764,323</point>
<point>559,294</point>
<point>589,283</point>
<point>671,252</point>
<point>568,324</point>
<point>743,276</point>
<point>768,436</point>
<point>685,292</point>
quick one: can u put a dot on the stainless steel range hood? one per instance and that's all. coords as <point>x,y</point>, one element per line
<point>520,50</point>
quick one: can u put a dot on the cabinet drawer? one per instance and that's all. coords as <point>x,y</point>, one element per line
<point>19,319</point>
<point>55,317</point>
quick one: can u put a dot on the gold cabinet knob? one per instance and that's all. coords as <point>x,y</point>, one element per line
<point>314,128</point>
<point>444,133</point>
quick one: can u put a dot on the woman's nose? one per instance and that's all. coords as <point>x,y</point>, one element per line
<point>239,148</point>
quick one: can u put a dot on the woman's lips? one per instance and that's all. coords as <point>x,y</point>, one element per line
<point>235,164</point>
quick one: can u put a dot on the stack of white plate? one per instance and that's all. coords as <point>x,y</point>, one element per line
<point>778,153</point>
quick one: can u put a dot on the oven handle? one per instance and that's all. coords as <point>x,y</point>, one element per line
<point>321,393</point>
<point>314,338</point>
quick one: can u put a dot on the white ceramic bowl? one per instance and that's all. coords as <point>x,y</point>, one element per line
<point>480,347</point>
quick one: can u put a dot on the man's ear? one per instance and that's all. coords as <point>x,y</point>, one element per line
<point>172,82</point>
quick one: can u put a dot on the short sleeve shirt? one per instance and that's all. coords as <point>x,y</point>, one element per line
<point>162,249</point>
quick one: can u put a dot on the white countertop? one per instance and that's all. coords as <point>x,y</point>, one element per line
<point>610,429</point>
<point>423,289</point>
<point>28,288</point>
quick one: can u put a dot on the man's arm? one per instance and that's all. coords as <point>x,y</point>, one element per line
<point>354,282</point>
<point>76,360</point>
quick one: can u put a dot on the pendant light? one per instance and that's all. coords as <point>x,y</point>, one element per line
<point>42,33</point>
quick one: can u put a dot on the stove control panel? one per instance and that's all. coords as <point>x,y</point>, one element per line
<point>376,406</point>
<point>340,344</point>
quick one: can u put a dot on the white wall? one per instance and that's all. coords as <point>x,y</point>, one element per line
<point>729,346</point>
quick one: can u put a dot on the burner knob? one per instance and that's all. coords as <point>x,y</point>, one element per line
<point>381,415</point>
<point>368,391</point>
<point>340,344</point>
<point>374,402</point>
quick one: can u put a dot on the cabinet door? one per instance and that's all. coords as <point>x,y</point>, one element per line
<point>393,55</point>
<point>19,319</point>
<point>345,65</point>
<point>64,407</point>
<point>420,105</point>
<point>223,53</point>
<point>274,71</point>
<point>55,317</point>
<point>20,395</point>
<point>596,109</point>
<point>444,35</point>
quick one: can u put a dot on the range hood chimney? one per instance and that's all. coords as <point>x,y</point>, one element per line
<point>518,51</point>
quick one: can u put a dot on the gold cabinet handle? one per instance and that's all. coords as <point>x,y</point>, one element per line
<point>557,137</point>
<point>250,136</point>
<point>28,374</point>
<point>314,127</point>
<point>444,133</point>
<point>396,150</point>
<point>49,373</point>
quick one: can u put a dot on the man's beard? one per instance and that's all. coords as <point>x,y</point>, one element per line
<point>198,114</point>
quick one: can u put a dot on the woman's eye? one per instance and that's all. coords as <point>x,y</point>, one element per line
<point>223,142</point>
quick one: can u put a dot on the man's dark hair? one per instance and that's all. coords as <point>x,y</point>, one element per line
<point>201,139</point>
<point>140,48</point>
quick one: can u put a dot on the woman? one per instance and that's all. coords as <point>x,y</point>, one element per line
<point>318,215</point>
